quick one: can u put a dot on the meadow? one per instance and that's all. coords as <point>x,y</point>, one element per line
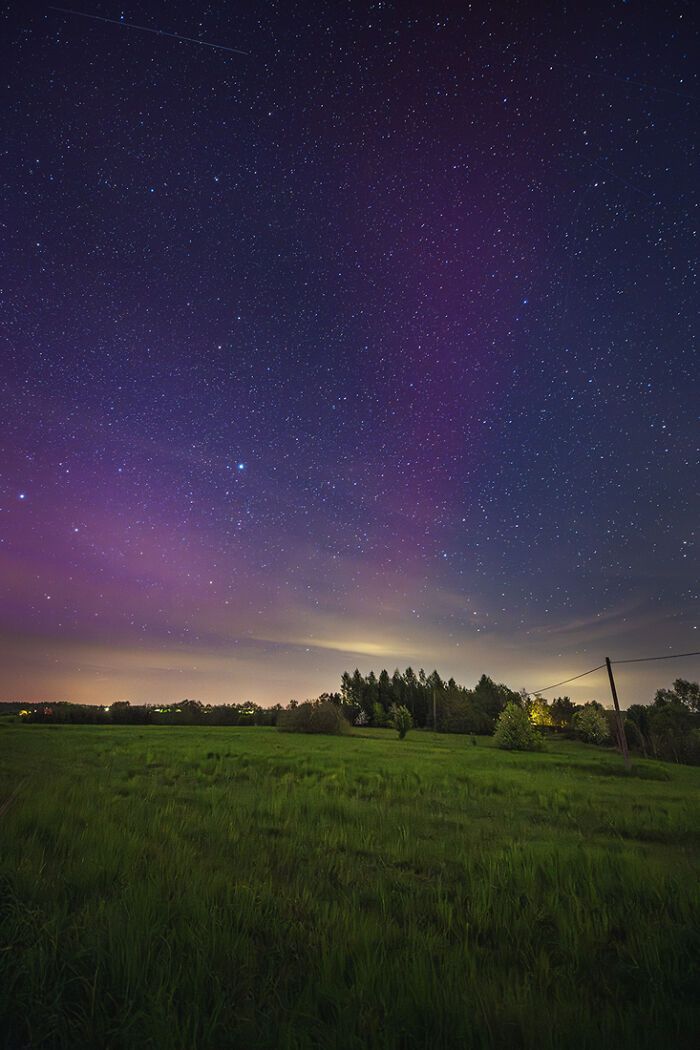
<point>200,889</point>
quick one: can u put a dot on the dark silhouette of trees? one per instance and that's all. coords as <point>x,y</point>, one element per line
<point>668,728</point>
<point>317,716</point>
<point>683,692</point>
<point>456,709</point>
<point>122,712</point>
<point>563,710</point>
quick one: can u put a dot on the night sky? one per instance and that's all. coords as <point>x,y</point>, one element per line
<point>371,346</point>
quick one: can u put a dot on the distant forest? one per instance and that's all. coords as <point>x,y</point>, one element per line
<point>443,705</point>
<point>667,728</point>
<point>365,700</point>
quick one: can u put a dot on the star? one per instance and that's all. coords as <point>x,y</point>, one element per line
<point>420,441</point>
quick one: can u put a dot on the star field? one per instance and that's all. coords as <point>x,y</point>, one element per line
<point>373,346</point>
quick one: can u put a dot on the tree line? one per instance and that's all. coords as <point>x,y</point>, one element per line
<point>122,712</point>
<point>668,728</point>
<point>442,704</point>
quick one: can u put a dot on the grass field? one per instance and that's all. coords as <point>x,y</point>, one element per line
<point>200,889</point>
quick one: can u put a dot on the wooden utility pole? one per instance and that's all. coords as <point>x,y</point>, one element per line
<point>620,724</point>
<point>434,709</point>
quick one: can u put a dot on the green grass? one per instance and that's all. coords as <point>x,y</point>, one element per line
<point>199,889</point>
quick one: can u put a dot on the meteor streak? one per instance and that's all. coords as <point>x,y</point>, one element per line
<point>146,29</point>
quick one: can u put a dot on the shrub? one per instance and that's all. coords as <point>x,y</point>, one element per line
<point>401,719</point>
<point>590,724</point>
<point>313,717</point>
<point>515,731</point>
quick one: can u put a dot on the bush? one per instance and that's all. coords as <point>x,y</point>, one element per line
<point>590,724</point>
<point>515,731</point>
<point>401,720</point>
<point>311,717</point>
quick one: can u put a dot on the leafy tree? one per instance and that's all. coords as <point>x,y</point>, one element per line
<point>194,711</point>
<point>380,717</point>
<point>384,689</point>
<point>435,681</point>
<point>411,686</point>
<point>357,687</point>
<point>675,732</point>
<point>492,698</point>
<point>360,693</point>
<point>590,723</point>
<point>457,712</point>
<point>563,710</point>
<point>634,736</point>
<point>539,711</point>
<point>346,688</point>
<point>401,720</point>
<point>639,714</point>
<point>683,692</point>
<point>409,677</point>
<point>331,698</point>
<point>314,717</point>
<point>638,727</point>
<point>515,731</point>
<point>669,728</point>
<point>372,689</point>
<point>120,711</point>
<point>399,687</point>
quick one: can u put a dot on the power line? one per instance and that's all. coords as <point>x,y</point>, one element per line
<point>645,659</point>
<point>535,692</point>
<point>638,660</point>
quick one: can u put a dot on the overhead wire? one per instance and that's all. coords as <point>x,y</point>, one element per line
<point>645,659</point>
<point>566,681</point>
<point>637,660</point>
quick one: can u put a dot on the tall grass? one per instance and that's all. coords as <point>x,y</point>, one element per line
<point>213,888</point>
